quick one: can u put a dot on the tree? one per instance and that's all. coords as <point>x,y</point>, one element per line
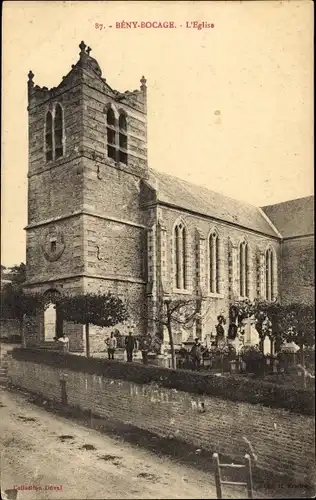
<point>240,310</point>
<point>283,323</point>
<point>298,324</point>
<point>172,313</point>
<point>97,309</point>
<point>15,274</point>
<point>18,274</point>
<point>269,319</point>
<point>16,304</point>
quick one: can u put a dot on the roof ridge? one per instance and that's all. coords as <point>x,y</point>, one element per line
<point>206,189</point>
<point>212,203</point>
<point>288,201</point>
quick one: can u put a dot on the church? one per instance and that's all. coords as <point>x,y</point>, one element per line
<point>99,219</point>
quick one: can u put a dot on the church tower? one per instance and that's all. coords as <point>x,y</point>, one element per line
<point>87,157</point>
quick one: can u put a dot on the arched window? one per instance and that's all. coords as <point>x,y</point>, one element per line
<point>54,133</point>
<point>58,132</point>
<point>116,136</point>
<point>180,251</point>
<point>269,274</point>
<point>111,133</point>
<point>213,263</point>
<point>49,136</point>
<point>123,139</point>
<point>110,117</point>
<point>122,122</point>
<point>243,269</point>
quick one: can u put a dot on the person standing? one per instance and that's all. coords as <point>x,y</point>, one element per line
<point>196,354</point>
<point>111,343</point>
<point>64,343</point>
<point>130,345</point>
<point>144,346</point>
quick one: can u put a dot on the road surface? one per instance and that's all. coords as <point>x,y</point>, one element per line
<point>44,450</point>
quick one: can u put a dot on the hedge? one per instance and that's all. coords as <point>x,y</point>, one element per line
<point>253,391</point>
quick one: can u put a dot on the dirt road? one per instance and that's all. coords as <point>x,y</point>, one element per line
<point>43,450</point>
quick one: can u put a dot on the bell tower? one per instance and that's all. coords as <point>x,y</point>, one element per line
<point>87,157</point>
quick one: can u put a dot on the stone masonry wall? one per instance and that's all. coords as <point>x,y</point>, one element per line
<point>283,441</point>
<point>111,192</point>
<point>113,249</point>
<point>9,328</point>
<point>70,262</point>
<point>133,294</point>
<point>298,270</point>
<point>200,228</point>
<point>95,102</point>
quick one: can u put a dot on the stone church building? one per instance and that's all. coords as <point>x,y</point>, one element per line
<point>99,219</point>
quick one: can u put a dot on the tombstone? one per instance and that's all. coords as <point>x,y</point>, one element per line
<point>50,322</point>
<point>267,346</point>
<point>236,343</point>
<point>251,335</point>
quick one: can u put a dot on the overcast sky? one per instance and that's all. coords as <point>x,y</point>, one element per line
<point>230,107</point>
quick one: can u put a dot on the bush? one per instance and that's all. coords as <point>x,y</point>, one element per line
<point>228,387</point>
<point>253,358</point>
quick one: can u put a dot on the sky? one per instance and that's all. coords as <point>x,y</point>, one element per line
<point>229,107</point>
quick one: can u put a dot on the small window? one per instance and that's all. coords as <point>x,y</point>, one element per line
<point>123,141</point>
<point>53,246</point>
<point>110,117</point>
<point>111,136</point>
<point>111,152</point>
<point>123,157</point>
<point>122,122</point>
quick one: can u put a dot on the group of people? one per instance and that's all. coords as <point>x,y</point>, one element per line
<point>195,354</point>
<point>130,346</point>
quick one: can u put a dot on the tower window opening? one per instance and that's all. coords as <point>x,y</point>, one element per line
<point>110,117</point>
<point>111,152</point>
<point>123,141</point>
<point>117,137</point>
<point>49,136</point>
<point>58,131</point>
<point>123,157</point>
<point>54,134</point>
<point>111,136</point>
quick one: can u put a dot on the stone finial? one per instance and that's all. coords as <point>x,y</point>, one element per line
<point>143,82</point>
<point>82,48</point>
<point>30,83</point>
<point>89,50</point>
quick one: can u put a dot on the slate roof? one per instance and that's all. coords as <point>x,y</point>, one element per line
<point>292,218</point>
<point>185,195</point>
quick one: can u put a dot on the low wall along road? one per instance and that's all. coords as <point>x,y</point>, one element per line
<point>282,440</point>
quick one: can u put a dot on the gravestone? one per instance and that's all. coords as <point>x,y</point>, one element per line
<point>50,323</point>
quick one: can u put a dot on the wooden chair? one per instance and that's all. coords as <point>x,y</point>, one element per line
<point>218,476</point>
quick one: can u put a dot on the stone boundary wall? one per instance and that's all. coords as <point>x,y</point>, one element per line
<point>283,441</point>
